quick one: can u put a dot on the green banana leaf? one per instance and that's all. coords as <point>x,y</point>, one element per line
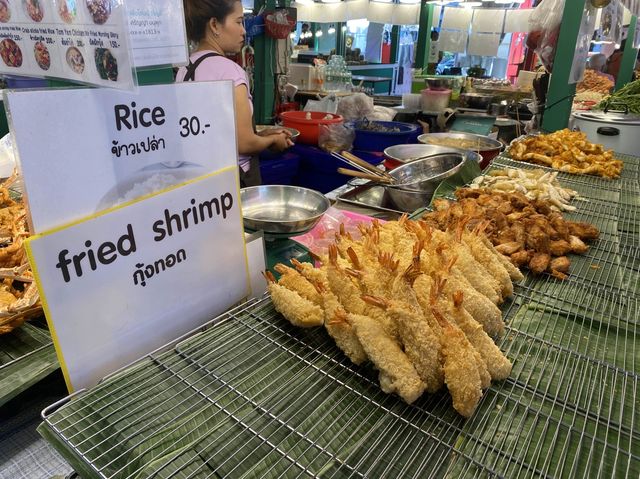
<point>27,355</point>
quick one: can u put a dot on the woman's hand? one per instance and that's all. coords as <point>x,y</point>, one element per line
<point>274,131</point>
<point>281,140</point>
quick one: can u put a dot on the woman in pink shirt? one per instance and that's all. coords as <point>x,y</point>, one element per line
<point>217,27</point>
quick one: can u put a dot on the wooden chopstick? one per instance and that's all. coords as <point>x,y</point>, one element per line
<point>366,176</point>
<point>364,164</point>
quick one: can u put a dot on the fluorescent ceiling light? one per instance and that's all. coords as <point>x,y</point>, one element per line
<point>331,30</point>
<point>331,1</point>
<point>409,1</point>
<point>382,1</point>
<point>319,33</point>
<point>305,2</point>
<point>471,4</point>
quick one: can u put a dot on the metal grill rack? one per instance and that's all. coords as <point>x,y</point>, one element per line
<point>26,356</point>
<point>252,396</point>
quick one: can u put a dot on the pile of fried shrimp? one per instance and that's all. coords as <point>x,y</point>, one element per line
<point>420,304</point>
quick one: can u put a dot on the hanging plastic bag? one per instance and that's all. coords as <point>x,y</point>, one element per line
<point>355,107</point>
<point>544,30</point>
<point>328,104</point>
<point>336,137</point>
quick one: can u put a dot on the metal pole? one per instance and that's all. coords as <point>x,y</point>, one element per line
<point>627,66</point>
<point>560,95</point>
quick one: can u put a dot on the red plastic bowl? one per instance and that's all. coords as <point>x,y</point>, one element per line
<point>309,128</point>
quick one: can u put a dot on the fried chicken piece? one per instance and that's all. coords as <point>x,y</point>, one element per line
<point>460,369</point>
<point>291,279</point>
<point>297,310</point>
<point>397,374</point>
<point>421,344</point>
<point>509,248</point>
<point>560,264</point>
<point>539,262</point>
<point>559,247</point>
<point>514,273</point>
<point>521,258</point>
<point>577,245</point>
<point>584,231</point>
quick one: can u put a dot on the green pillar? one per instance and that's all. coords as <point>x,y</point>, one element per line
<point>560,94</point>
<point>264,78</point>
<point>628,57</point>
<point>340,38</point>
<point>395,42</point>
<point>424,35</point>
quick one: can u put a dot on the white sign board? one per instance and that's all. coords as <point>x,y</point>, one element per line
<point>457,18</point>
<point>487,20</point>
<point>83,41</point>
<point>91,149</point>
<point>126,282</point>
<point>453,41</point>
<point>517,20</point>
<point>158,36</point>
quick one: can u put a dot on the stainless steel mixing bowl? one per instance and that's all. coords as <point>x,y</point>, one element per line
<point>279,209</point>
<point>418,180</point>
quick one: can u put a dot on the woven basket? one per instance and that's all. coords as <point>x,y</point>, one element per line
<point>279,31</point>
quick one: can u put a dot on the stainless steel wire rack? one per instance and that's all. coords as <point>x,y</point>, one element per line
<point>251,396</point>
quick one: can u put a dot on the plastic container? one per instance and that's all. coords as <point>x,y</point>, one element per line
<point>412,101</point>
<point>318,168</point>
<point>279,169</point>
<point>308,123</point>
<point>368,140</point>
<point>435,100</point>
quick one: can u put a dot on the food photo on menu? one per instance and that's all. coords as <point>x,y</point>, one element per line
<point>75,60</point>
<point>106,64</point>
<point>5,11</point>
<point>34,9</point>
<point>67,10</point>
<point>99,10</point>
<point>41,53</point>
<point>10,53</point>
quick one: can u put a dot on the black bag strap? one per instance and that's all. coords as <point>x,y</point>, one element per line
<point>191,67</point>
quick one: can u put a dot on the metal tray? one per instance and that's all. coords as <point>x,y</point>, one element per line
<point>370,195</point>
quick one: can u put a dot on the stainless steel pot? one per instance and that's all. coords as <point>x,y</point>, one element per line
<point>478,101</point>
<point>616,131</point>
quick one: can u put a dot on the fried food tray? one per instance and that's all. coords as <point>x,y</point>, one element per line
<point>249,395</point>
<point>613,261</point>
<point>252,396</point>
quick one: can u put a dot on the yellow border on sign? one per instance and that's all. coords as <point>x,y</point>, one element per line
<point>34,267</point>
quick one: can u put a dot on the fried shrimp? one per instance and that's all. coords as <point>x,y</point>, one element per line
<point>291,279</point>
<point>486,258</point>
<point>342,285</point>
<point>313,275</point>
<point>460,369</point>
<point>421,344</point>
<point>498,365</point>
<point>397,374</point>
<point>297,310</point>
<point>341,331</point>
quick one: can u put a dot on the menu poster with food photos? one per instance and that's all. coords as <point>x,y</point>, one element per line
<point>85,41</point>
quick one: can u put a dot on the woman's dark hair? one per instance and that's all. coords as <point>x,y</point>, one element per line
<point>197,14</point>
